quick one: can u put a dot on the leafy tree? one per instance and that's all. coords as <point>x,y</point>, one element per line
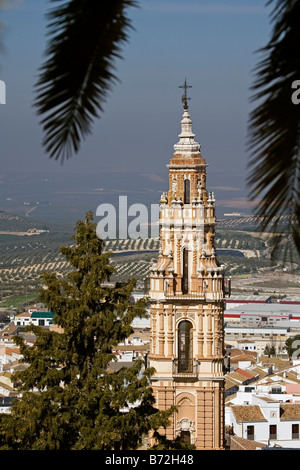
<point>71,92</point>
<point>267,350</point>
<point>270,350</point>
<point>85,38</point>
<point>165,444</point>
<point>4,316</point>
<point>274,127</point>
<point>292,345</point>
<point>71,399</point>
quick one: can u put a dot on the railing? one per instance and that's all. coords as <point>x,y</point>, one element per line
<point>185,368</point>
<point>193,295</point>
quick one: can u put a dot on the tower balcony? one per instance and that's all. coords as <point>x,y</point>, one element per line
<point>180,295</point>
<point>185,369</point>
<point>209,296</point>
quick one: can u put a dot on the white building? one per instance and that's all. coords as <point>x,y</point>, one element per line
<point>9,355</point>
<point>266,420</point>
<point>37,318</point>
<point>259,336</point>
<point>6,404</point>
<point>263,311</point>
<point>140,322</point>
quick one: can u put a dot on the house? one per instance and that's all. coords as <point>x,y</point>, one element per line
<point>257,338</point>
<point>38,318</point>
<point>131,349</point>
<point>246,345</point>
<point>22,319</point>
<point>6,403</point>
<point>294,390</point>
<point>268,421</point>
<point>6,335</point>
<point>42,318</point>
<point>236,378</point>
<point>9,355</point>
<point>240,356</point>
<point>8,392</point>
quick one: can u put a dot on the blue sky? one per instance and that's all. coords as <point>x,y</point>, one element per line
<point>211,43</point>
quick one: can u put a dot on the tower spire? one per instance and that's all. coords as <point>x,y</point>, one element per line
<point>187,143</point>
<point>185,98</point>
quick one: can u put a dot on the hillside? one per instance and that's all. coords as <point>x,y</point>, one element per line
<point>11,223</point>
<point>24,258</point>
<point>16,223</point>
<point>250,223</point>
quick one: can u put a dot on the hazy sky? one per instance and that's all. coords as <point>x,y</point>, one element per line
<point>211,43</point>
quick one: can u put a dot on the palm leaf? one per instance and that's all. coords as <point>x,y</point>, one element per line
<point>77,75</point>
<point>274,128</point>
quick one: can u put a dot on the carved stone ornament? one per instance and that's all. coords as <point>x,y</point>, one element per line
<point>185,424</point>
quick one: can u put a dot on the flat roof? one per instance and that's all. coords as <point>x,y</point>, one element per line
<point>290,300</point>
<point>42,315</point>
<point>253,329</point>
<point>267,308</point>
<point>248,298</point>
<point>272,314</point>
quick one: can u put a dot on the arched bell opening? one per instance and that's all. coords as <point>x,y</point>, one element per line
<point>185,346</point>
<point>185,271</point>
<point>187,192</point>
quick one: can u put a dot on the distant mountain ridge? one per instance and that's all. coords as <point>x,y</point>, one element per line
<point>17,223</point>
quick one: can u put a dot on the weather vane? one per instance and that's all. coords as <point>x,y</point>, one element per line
<point>184,96</point>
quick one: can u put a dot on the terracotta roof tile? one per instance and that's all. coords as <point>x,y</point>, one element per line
<point>244,413</point>
<point>261,372</point>
<point>289,411</point>
<point>229,383</point>
<point>239,378</point>
<point>248,374</point>
<point>238,443</point>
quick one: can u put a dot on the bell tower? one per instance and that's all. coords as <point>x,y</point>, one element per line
<point>186,301</point>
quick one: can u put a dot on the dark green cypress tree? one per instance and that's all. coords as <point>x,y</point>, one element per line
<point>71,399</point>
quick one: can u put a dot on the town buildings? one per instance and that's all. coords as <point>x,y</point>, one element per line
<point>269,417</point>
<point>254,386</point>
<point>37,318</point>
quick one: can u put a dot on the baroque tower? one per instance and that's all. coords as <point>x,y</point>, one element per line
<point>186,301</point>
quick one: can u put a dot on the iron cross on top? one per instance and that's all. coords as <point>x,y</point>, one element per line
<point>184,96</point>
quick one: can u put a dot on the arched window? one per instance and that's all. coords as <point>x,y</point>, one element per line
<point>187,191</point>
<point>185,346</point>
<point>185,271</point>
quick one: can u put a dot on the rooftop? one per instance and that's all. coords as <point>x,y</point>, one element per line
<point>42,315</point>
<point>238,443</point>
<point>247,298</point>
<point>266,308</point>
<point>247,413</point>
<point>289,411</point>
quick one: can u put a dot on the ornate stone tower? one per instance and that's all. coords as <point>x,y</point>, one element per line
<point>186,298</point>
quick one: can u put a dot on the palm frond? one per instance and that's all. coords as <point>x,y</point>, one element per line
<point>85,38</point>
<point>274,127</point>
